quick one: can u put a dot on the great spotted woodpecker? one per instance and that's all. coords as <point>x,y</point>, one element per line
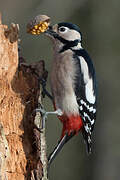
<point>73,84</point>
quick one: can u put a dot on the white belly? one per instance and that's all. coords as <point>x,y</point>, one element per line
<point>69,104</point>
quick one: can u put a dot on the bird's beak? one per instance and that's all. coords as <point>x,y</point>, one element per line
<point>50,32</point>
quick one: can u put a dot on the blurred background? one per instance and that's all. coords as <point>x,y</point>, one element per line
<point>99,22</point>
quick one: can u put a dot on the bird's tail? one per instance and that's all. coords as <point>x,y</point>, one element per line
<point>87,139</point>
<point>59,146</point>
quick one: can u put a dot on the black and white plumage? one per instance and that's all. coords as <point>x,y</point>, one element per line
<point>74,87</point>
<point>86,92</point>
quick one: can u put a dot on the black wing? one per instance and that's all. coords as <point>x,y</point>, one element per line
<point>86,92</point>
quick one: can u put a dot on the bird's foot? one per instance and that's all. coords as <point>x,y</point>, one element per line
<point>44,114</point>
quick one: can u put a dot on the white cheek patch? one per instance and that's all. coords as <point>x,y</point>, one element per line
<point>71,35</point>
<point>89,92</point>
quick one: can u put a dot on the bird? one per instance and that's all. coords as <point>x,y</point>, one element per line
<point>73,85</point>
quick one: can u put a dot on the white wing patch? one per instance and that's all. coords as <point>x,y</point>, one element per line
<point>89,91</point>
<point>88,81</point>
<point>84,68</point>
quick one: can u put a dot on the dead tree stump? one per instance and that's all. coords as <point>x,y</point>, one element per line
<point>19,94</point>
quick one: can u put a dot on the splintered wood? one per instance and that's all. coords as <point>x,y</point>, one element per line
<point>19,92</point>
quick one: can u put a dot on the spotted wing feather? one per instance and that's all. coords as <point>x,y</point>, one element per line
<point>85,90</point>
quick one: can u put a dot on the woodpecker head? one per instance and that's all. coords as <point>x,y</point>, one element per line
<point>66,35</point>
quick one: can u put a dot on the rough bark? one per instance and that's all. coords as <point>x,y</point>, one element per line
<point>20,141</point>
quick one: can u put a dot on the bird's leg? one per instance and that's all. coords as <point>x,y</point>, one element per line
<point>59,146</point>
<point>44,114</point>
<point>44,91</point>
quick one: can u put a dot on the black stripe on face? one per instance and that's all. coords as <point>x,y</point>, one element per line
<point>56,36</point>
<point>69,45</point>
<point>64,41</point>
<point>50,32</point>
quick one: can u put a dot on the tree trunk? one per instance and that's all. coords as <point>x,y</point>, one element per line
<point>20,140</point>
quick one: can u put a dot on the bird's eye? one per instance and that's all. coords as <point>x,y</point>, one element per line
<point>63,29</point>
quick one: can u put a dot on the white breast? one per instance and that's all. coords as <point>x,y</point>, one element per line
<point>70,105</point>
<point>62,78</point>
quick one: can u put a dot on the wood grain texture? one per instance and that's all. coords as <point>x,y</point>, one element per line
<point>19,92</point>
